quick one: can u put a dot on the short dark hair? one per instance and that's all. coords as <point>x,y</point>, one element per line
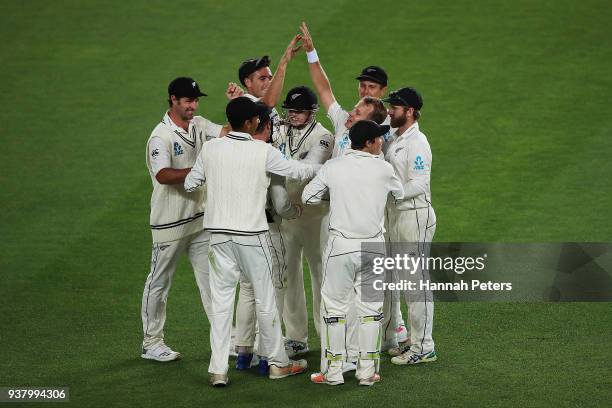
<point>239,110</point>
<point>379,112</point>
<point>252,65</point>
<point>264,115</point>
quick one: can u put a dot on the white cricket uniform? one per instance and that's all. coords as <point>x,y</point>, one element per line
<point>279,207</point>
<point>176,220</point>
<point>302,236</point>
<point>356,177</point>
<point>235,169</point>
<point>413,220</point>
<point>342,143</point>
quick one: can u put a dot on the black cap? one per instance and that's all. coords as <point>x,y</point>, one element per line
<point>239,110</point>
<point>405,97</point>
<point>301,98</point>
<point>251,65</point>
<point>375,74</point>
<point>185,87</point>
<point>365,130</point>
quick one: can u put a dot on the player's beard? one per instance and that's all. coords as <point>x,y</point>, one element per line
<point>187,115</point>
<point>398,121</point>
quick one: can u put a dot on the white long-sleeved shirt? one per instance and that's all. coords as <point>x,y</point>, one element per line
<point>235,169</point>
<point>359,184</point>
<point>410,156</point>
<point>342,143</point>
<point>174,213</point>
<point>311,144</point>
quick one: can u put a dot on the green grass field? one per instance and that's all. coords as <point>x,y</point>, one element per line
<point>516,110</point>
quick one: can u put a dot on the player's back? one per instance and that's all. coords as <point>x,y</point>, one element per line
<point>237,182</point>
<point>359,184</point>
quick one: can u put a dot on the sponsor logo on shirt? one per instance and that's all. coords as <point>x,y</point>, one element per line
<point>178,149</point>
<point>344,142</point>
<point>155,153</point>
<point>324,143</point>
<point>418,163</point>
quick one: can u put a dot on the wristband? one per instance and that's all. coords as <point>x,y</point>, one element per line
<point>312,56</point>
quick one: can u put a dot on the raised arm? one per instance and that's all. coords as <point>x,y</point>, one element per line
<point>273,93</point>
<point>317,74</point>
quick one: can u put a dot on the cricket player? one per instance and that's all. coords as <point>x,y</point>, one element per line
<point>373,82</point>
<point>255,75</point>
<point>368,108</point>
<point>413,218</point>
<point>278,207</point>
<point>176,217</point>
<point>302,137</point>
<point>361,177</point>
<point>372,85</point>
<point>236,171</point>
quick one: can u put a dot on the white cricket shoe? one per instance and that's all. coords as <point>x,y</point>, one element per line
<point>160,353</point>
<point>218,380</point>
<point>294,367</point>
<point>400,349</point>
<point>410,358</point>
<point>368,382</point>
<point>320,378</point>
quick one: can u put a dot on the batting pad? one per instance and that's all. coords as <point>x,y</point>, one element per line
<point>369,337</point>
<point>335,339</point>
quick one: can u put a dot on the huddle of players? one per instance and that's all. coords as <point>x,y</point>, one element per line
<point>356,183</point>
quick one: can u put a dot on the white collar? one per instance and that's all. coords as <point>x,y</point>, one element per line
<point>239,135</point>
<point>354,152</point>
<point>173,126</point>
<point>409,131</point>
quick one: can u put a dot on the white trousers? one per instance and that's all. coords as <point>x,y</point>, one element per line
<point>231,256</point>
<point>302,236</point>
<point>165,256</point>
<point>245,310</point>
<point>341,292</point>
<point>417,227</point>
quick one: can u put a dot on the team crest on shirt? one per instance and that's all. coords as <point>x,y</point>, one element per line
<point>155,153</point>
<point>344,142</point>
<point>324,143</point>
<point>418,163</point>
<point>178,149</point>
<point>282,148</point>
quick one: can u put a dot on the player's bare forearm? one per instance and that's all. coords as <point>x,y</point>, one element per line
<point>317,73</point>
<point>172,176</point>
<point>322,85</point>
<point>273,93</point>
<point>275,89</point>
